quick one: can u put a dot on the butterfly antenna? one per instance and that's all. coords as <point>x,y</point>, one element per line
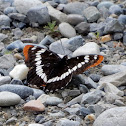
<point>62,47</point>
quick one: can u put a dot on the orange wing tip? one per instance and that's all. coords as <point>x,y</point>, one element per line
<point>100,59</point>
<point>25,51</point>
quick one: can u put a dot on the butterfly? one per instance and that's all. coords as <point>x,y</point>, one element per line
<point>48,70</point>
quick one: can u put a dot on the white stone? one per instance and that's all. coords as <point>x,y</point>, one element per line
<point>5,80</point>
<point>9,98</point>
<point>22,6</point>
<point>67,30</point>
<point>56,14</point>
<point>19,72</point>
<point>88,48</point>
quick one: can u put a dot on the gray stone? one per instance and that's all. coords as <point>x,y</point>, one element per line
<point>5,80</point>
<point>112,69</point>
<point>92,97</point>
<point>7,61</point>
<point>122,19</point>
<point>73,43</point>
<point>105,12</point>
<point>83,28</point>
<point>117,79</point>
<point>72,111</point>
<point>24,5</point>
<point>17,16</point>
<point>75,19</point>
<point>124,38</point>
<point>16,81</point>
<point>67,122</point>
<point>9,10</point>
<point>92,14</point>
<point>18,44</point>
<point>9,98</point>
<point>11,120</point>
<point>119,103</point>
<point>55,14</point>
<point>111,98</point>
<point>38,15</point>
<point>75,8</point>
<point>115,9</point>
<point>112,117</point>
<point>61,1</point>
<point>95,77</point>
<point>22,91</point>
<point>37,92</point>
<point>2,46</point>
<point>48,100</point>
<point>106,4</point>
<point>5,20</point>
<point>47,40</point>
<point>67,30</point>
<point>113,26</point>
<point>74,93</point>
<point>110,88</point>
<point>17,32</point>
<point>117,36</point>
<point>59,114</point>
<point>84,111</point>
<point>83,88</point>
<point>3,37</point>
<point>59,48</point>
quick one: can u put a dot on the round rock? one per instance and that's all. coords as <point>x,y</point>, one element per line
<point>9,98</point>
<point>4,20</point>
<point>115,9</point>
<point>67,30</point>
<point>106,4</point>
<point>112,117</point>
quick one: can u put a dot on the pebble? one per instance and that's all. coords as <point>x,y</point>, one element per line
<point>9,98</point>
<point>112,117</point>
<point>22,91</point>
<point>106,38</point>
<point>59,47</point>
<point>7,61</point>
<point>90,118</point>
<point>17,32</point>
<point>35,124</point>
<point>75,19</point>
<point>16,81</point>
<point>74,93</point>
<point>5,80</point>
<point>67,30</point>
<point>18,56</point>
<point>115,9</point>
<point>73,43</point>
<point>3,37</point>
<point>12,120</point>
<point>110,88</point>
<point>88,48</point>
<point>37,92</point>
<point>67,122</point>
<point>92,97</point>
<point>5,20</point>
<point>124,38</point>
<point>84,111</point>
<point>41,13</point>
<point>75,8</point>
<point>95,77</point>
<point>2,46</point>
<point>112,69</point>
<point>72,111</point>
<point>34,105</point>
<point>48,100</point>
<point>117,36</point>
<point>56,14</point>
<point>116,79</point>
<point>83,88</point>
<point>91,13</point>
<point>24,5</point>
<point>113,26</point>
<point>57,115</point>
<point>19,72</point>
<point>9,10</point>
<point>122,19</point>
<point>83,28</point>
<point>106,4</point>
<point>18,44</point>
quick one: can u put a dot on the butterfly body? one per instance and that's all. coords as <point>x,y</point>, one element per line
<point>50,71</point>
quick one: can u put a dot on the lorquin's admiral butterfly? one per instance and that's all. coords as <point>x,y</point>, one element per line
<point>50,71</point>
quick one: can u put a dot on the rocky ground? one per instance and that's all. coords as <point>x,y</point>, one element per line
<point>96,97</point>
